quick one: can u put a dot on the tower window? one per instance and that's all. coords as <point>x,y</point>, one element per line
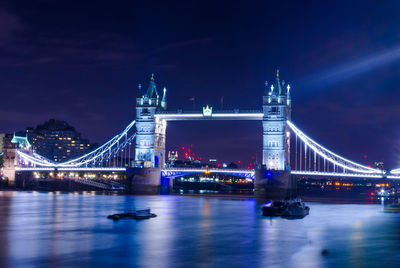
<point>274,110</point>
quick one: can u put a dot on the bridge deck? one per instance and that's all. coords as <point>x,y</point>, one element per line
<point>216,115</point>
<point>250,173</point>
<point>115,169</point>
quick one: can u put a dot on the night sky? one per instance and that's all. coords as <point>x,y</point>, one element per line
<point>81,61</point>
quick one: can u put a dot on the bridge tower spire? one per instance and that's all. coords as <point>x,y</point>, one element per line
<point>150,133</point>
<point>276,145</point>
<point>164,99</point>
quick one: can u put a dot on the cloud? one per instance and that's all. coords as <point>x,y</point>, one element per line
<point>79,50</point>
<point>9,25</point>
<point>28,118</point>
<point>22,45</point>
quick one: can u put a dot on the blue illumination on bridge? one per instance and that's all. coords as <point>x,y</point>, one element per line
<point>149,133</point>
<point>178,172</point>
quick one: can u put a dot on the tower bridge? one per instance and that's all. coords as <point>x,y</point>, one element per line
<point>287,151</point>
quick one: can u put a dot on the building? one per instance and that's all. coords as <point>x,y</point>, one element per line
<point>276,139</point>
<point>2,135</point>
<point>57,141</point>
<point>150,133</point>
<point>8,151</point>
<point>379,164</point>
<point>172,157</point>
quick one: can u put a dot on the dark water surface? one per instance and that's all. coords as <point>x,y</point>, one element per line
<point>64,230</point>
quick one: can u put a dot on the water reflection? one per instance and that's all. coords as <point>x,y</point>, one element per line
<point>68,229</point>
<point>5,204</point>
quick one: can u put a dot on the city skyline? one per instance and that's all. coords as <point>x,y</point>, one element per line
<point>199,133</point>
<point>88,75</point>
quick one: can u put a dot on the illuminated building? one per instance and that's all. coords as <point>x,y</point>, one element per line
<point>150,137</point>
<point>172,156</point>
<point>379,165</point>
<point>58,141</point>
<point>277,109</point>
<point>8,151</point>
<point>2,135</point>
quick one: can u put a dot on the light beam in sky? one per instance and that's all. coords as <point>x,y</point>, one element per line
<point>351,69</point>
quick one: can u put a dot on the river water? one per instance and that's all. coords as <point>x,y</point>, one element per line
<point>71,229</point>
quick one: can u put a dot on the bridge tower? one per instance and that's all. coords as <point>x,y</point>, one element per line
<point>150,133</point>
<point>273,179</point>
<point>276,139</point>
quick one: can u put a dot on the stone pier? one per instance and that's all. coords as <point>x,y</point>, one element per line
<point>146,181</point>
<point>274,185</point>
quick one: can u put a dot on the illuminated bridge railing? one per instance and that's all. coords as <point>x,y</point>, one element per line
<point>114,155</point>
<point>336,174</point>
<point>395,171</point>
<point>235,114</point>
<point>345,175</point>
<point>77,169</point>
<point>312,159</point>
<point>235,111</point>
<point>177,172</point>
<point>310,156</point>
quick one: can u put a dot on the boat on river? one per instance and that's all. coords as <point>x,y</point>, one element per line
<point>137,215</point>
<point>296,210</point>
<point>274,208</point>
<point>288,209</point>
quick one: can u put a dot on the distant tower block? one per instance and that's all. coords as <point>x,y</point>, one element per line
<point>276,139</point>
<point>150,137</point>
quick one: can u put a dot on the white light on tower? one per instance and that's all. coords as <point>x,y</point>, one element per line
<point>271,164</point>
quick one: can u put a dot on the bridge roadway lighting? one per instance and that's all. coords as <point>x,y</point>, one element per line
<point>336,174</point>
<point>117,144</point>
<point>215,115</point>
